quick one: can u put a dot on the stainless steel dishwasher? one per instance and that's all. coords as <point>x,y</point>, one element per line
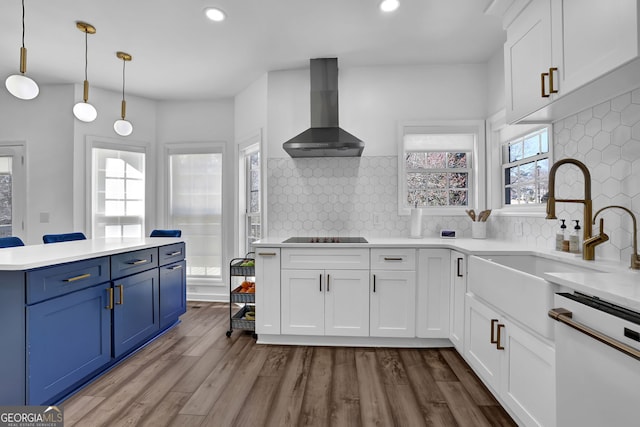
<point>597,362</point>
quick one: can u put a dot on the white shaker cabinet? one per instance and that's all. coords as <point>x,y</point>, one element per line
<point>331,301</point>
<point>393,290</point>
<point>432,293</point>
<point>557,46</point>
<point>517,366</point>
<point>268,290</point>
<point>457,292</point>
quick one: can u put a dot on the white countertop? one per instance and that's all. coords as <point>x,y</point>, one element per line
<point>617,283</point>
<point>34,256</point>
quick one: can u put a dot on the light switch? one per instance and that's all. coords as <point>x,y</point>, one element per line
<point>44,217</point>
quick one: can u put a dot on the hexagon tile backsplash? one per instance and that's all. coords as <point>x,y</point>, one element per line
<point>358,196</point>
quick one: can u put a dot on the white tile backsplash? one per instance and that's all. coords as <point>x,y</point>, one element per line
<point>343,196</point>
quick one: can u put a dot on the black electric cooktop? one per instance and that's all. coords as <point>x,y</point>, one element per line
<point>326,240</point>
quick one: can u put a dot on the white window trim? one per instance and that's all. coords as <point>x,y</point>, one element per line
<point>149,181</point>
<point>477,198</point>
<point>227,210</point>
<point>499,132</point>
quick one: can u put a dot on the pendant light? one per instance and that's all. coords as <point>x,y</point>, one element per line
<point>83,110</point>
<point>19,85</point>
<point>123,127</point>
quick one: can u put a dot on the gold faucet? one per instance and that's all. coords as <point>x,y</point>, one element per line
<point>635,258</point>
<point>588,251</point>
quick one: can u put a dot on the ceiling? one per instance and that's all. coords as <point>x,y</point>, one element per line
<point>179,55</point>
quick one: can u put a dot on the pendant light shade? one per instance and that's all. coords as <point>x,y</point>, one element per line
<point>83,110</point>
<point>123,127</point>
<point>19,85</point>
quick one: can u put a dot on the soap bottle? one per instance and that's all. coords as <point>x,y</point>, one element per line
<point>574,239</point>
<point>560,236</point>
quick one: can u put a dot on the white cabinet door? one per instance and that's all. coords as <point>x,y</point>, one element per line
<point>346,303</point>
<point>591,38</point>
<point>481,341</point>
<point>432,293</point>
<point>527,55</point>
<point>528,377</point>
<point>302,302</point>
<point>393,305</point>
<point>458,289</point>
<point>268,291</point>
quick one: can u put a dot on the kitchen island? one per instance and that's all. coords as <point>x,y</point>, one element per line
<point>71,310</point>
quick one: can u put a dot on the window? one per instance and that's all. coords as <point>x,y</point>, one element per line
<point>118,196</point>
<point>253,225</point>
<point>438,167</point>
<point>12,190</point>
<point>195,207</point>
<point>525,164</point>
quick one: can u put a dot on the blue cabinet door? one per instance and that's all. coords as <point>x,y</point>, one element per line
<point>136,310</point>
<point>68,338</point>
<point>173,292</point>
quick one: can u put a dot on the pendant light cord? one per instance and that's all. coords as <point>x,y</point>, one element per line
<point>22,23</point>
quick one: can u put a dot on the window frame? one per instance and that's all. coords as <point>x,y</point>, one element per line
<point>505,164</point>
<point>476,196</point>
<point>115,144</point>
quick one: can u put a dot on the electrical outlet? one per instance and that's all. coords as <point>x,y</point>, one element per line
<point>376,219</point>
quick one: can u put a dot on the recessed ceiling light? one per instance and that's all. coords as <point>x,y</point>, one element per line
<point>215,14</point>
<point>389,5</point>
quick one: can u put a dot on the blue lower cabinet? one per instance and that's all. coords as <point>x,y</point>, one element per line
<point>68,338</point>
<point>136,310</point>
<point>173,292</point>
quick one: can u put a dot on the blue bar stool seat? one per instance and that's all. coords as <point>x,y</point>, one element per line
<point>10,242</point>
<point>65,237</point>
<point>166,233</point>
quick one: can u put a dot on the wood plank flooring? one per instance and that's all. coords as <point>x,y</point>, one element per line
<point>195,376</point>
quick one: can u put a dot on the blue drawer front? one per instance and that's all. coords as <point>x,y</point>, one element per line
<point>69,338</point>
<point>173,292</point>
<point>50,282</point>
<point>171,253</point>
<point>133,262</point>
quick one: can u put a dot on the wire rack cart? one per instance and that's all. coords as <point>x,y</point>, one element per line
<point>242,318</point>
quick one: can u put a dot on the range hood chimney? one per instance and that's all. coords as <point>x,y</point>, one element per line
<point>325,138</point>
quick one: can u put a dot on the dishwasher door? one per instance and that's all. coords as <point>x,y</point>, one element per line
<point>597,383</point>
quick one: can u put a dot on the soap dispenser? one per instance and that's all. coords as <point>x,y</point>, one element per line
<point>560,236</point>
<point>575,245</point>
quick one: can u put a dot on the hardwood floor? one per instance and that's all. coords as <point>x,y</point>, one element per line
<point>195,376</point>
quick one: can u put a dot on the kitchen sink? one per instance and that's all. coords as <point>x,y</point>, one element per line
<point>515,285</point>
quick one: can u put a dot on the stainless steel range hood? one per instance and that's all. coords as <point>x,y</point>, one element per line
<point>324,138</point>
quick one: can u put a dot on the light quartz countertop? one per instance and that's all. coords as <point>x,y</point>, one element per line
<point>35,256</point>
<point>614,281</point>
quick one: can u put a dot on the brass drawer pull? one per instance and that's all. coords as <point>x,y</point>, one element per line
<point>543,92</point>
<point>80,277</point>
<point>176,267</point>
<point>551,88</point>
<point>138,262</point>
<point>110,305</point>
<point>392,259</point>
<point>174,253</point>
<point>267,253</point>
<point>459,270</point>
<point>121,287</point>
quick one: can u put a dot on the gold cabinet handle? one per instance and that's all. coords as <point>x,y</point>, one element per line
<point>174,253</point>
<point>493,328</point>
<point>110,305</point>
<point>267,253</point>
<point>543,92</point>
<point>176,267</point>
<point>138,262</point>
<point>121,290</point>
<point>551,88</point>
<point>498,339</point>
<point>80,277</point>
<point>392,259</point>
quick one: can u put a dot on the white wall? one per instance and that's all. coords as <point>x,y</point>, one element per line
<point>373,100</point>
<point>250,109</point>
<point>496,97</point>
